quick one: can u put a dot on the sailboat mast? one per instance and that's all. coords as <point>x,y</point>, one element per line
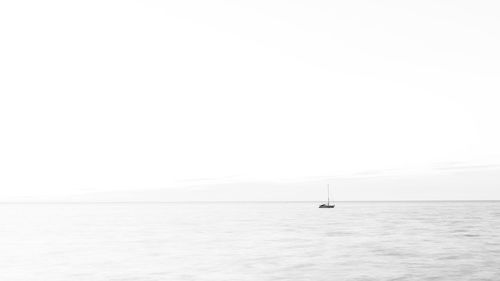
<point>328,187</point>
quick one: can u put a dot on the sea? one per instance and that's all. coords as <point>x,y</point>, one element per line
<point>250,241</point>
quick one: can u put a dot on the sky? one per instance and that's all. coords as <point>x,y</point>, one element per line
<point>249,100</point>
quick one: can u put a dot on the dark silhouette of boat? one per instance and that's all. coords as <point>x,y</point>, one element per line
<point>327,205</point>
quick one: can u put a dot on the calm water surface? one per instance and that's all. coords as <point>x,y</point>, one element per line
<point>250,241</point>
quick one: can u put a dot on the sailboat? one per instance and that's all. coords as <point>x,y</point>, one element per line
<point>327,205</point>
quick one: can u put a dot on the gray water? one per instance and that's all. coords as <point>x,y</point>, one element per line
<point>250,241</point>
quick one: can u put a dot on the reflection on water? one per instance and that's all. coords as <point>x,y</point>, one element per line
<point>250,241</point>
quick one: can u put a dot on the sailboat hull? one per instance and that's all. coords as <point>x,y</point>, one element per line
<point>326,206</point>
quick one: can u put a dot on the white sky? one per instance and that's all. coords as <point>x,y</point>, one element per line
<point>106,95</point>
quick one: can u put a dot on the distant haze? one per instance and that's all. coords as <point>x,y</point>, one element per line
<point>249,100</point>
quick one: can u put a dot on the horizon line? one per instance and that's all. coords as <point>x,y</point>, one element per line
<point>245,201</point>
